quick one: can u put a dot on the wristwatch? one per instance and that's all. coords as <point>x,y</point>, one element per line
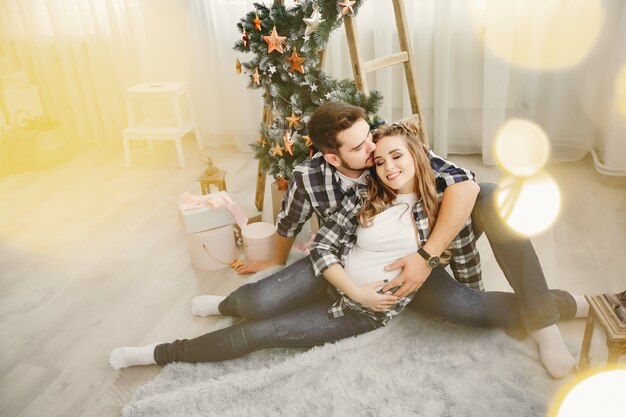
<point>431,261</point>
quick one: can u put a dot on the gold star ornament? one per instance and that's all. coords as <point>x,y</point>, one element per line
<point>295,62</point>
<point>277,150</point>
<point>257,23</point>
<point>275,42</point>
<point>238,66</point>
<point>294,120</point>
<point>237,263</point>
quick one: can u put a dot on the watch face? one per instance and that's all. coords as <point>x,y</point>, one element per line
<point>433,261</point>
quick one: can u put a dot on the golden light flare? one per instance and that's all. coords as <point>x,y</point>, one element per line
<point>592,393</point>
<point>620,91</point>
<point>528,205</point>
<point>539,34</point>
<point>521,148</point>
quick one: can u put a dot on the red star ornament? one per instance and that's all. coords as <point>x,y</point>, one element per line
<point>295,62</point>
<point>275,42</point>
<point>294,120</point>
<point>256,77</point>
<point>288,142</point>
<point>346,7</point>
<point>257,23</point>
<point>246,39</point>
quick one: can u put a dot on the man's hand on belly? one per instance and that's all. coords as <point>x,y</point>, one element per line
<point>414,273</point>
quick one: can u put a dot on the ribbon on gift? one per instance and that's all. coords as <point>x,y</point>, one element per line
<point>188,201</point>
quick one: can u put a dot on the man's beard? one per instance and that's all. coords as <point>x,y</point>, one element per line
<point>367,165</point>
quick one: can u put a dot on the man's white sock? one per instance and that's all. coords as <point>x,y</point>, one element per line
<point>132,356</point>
<point>552,350</point>
<point>206,305</point>
<point>582,306</point>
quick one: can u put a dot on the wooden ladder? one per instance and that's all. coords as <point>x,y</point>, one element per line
<point>404,57</point>
<point>360,69</point>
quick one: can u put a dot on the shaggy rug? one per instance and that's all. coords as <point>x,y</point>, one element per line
<point>416,366</point>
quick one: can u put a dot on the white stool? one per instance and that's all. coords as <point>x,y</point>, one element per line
<point>166,114</point>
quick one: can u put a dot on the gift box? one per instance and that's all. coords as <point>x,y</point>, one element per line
<point>258,241</point>
<point>213,249</point>
<point>210,211</point>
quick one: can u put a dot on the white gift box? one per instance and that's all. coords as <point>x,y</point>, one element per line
<point>213,249</point>
<point>203,218</point>
<point>258,241</point>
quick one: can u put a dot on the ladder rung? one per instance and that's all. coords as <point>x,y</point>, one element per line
<point>385,61</point>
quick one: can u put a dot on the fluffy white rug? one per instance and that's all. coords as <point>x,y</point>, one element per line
<point>416,366</point>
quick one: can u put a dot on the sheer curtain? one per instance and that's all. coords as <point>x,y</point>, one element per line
<point>80,54</point>
<point>479,63</point>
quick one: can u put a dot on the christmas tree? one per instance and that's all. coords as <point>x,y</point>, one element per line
<point>285,44</point>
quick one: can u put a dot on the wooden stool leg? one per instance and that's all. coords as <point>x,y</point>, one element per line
<point>198,140</point>
<point>179,151</point>
<point>126,152</point>
<point>615,349</point>
<point>583,362</point>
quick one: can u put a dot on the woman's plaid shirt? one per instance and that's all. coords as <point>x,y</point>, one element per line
<point>338,235</point>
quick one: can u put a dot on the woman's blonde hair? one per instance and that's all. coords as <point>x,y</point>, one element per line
<point>380,197</point>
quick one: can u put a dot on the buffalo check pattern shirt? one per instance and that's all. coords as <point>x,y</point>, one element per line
<point>316,187</point>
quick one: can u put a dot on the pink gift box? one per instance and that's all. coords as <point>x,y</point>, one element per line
<point>213,249</point>
<point>258,241</point>
<point>210,211</point>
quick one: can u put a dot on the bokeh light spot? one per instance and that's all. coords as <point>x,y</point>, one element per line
<point>521,148</point>
<point>601,394</point>
<point>540,34</point>
<point>528,205</point>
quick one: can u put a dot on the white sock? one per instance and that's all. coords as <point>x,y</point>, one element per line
<point>553,353</point>
<point>582,306</point>
<point>132,356</point>
<point>206,305</point>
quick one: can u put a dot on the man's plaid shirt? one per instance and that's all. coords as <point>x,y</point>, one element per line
<point>338,236</point>
<point>315,186</point>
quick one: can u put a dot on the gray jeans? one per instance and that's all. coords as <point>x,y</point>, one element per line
<point>289,308</point>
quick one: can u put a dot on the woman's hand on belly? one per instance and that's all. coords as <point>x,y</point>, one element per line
<point>368,296</point>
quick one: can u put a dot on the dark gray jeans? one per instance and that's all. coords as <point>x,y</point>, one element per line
<point>289,308</point>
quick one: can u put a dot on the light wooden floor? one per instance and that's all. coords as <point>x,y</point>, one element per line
<point>92,257</point>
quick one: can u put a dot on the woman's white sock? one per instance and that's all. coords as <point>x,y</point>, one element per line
<point>206,305</point>
<point>582,306</point>
<point>132,356</point>
<point>553,353</point>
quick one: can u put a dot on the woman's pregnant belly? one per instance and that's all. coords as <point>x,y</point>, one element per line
<point>365,266</point>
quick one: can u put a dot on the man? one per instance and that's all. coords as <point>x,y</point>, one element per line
<point>318,186</point>
<point>341,133</point>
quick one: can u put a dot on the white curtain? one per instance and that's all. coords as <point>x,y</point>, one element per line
<point>80,55</point>
<point>478,64</point>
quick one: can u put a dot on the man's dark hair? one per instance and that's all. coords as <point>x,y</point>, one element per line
<point>328,120</point>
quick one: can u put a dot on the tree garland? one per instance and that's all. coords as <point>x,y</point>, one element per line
<point>285,44</point>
